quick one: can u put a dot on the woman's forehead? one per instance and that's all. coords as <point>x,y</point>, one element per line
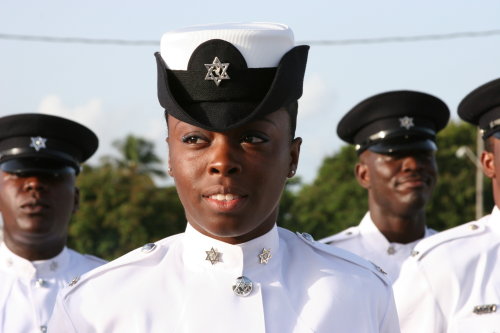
<point>278,119</point>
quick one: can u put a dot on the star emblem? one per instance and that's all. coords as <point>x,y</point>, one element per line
<point>213,256</point>
<point>38,143</point>
<point>406,122</point>
<point>217,71</point>
<point>243,286</point>
<point>265,255</point>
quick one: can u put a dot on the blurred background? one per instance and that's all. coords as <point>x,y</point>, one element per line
<point>92,61</point>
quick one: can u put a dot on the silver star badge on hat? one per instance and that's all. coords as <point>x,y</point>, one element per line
<point>406,122</point>
<point>213,256</point>
<point>217,71</point>
<point>38,143</point>
<point>265,255</point>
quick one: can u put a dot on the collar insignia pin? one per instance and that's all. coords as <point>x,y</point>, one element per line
<point>486,308</point>
<point>265,255</point>
<point>406,122</point>
<point>38,143</point>
<point>217,71</point>
<point>213,256</point>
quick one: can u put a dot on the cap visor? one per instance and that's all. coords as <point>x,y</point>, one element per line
<point>32,165</point>
<point>394,147</point>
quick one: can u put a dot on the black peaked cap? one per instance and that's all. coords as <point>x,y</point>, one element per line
<point>481,107</point>
<point>394,121</point>
<point>40,142</point>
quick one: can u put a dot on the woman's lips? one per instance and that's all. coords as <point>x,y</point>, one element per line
<point>225,202</point>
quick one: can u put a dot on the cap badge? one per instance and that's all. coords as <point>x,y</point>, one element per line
<point>38,143</point>
<point>217,71</point>
<point>406,122</point>
<point>213,256</point>
<point>265,255</point>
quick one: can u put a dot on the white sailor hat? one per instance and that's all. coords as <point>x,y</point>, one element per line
<point>221,76</point>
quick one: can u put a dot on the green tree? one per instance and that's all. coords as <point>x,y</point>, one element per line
<point>122,208</point>
<point>138,156</point>
<point>333,201</point>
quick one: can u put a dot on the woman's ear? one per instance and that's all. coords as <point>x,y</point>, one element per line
<point>294,154</point>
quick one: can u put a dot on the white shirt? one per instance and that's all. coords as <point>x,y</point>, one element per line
<point>368,242</point>
<point>28,289</point>
<point>306,286</point>
<point>452,282</point>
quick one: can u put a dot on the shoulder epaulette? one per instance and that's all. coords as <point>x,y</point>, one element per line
<point>428,244</point>
<point>146,251</point>
<point>343,235</point>
<point>345,255</point>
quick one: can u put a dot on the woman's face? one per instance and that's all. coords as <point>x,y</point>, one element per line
<point>230,183</point>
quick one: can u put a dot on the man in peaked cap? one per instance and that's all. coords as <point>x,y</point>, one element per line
<point>230,95</point>
<point>451,283</point>
<point>395,138</point>
<point>40,156</point>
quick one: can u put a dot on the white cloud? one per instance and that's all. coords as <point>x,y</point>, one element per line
<point>87,114</point>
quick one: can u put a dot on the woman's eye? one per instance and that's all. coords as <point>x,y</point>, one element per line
<point>252,138</point>
<point>192,139</point>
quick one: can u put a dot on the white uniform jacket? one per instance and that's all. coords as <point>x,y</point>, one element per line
<point>452,281</point>
<point>28,289</point>
<point>368,242</point>
<point>184,283</point>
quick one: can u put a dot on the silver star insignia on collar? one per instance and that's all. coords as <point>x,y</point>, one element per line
<point>38,142</point>
<point>406,122</point>
<point>265,255</point>
<point>213,256</point>
<point>217,71</point>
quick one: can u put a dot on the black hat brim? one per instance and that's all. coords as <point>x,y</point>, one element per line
<point>384,147</point>
<point>37,166</point>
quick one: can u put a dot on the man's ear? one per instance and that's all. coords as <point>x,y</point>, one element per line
<point>76,204</point>
<point>488,163</point>
<point>362,175</point>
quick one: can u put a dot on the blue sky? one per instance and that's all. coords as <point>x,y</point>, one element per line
<point>112,89</point>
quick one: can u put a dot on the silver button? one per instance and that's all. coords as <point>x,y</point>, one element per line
<point>414,253</point>
<point>243,286</point>
<point>43,328</point>
<point>307,236</point>
<point>146,248</point>
<point>74,281</point>
<point>40,283</point>
<point>473,227</point>
<point>391,250</point>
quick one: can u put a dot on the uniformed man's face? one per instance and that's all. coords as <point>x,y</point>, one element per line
<point>36,209</point>
<point>400,183</point>
<point>230,183</point>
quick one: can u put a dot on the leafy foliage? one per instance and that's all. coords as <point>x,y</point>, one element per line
<point>121,209</point>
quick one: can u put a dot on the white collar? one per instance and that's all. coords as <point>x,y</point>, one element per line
<point>494,220</point>
<point>377,240</point>
<point>30,269</point>
<point>238,259</point>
